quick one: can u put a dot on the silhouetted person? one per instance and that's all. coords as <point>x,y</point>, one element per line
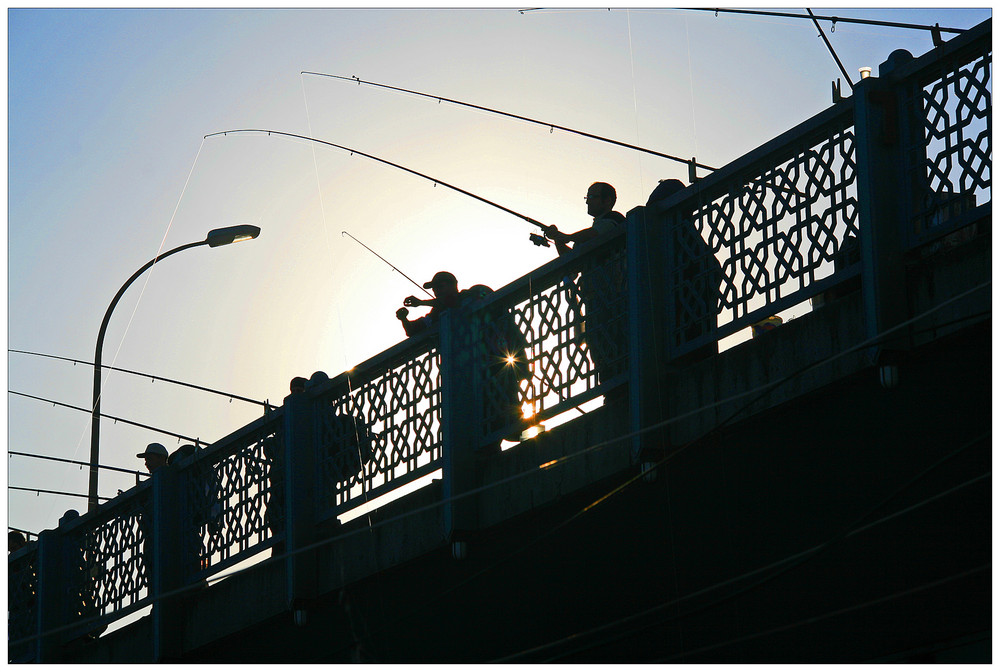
<point>207,507</point>
<point>15,541</point>
<point>81,571</point>
<point>601,289</point>
<point>297,385</point>
<point>600,198</point>
<point>698,277</point>
<point>274,514</point>
<point>155,456</point>
<point>444,285</point>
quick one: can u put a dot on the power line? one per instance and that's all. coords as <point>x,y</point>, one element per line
<point>111,417</point>
<point>231,396</point>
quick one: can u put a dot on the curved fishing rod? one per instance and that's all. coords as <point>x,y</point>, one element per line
<point>197,442</point>
<point>52,492</point>
<point>394,165</point>
<point>231,396</point>
<point>687,162</point>
<point>421,288</point>
<point>78,462</point>
<point>834,19</point>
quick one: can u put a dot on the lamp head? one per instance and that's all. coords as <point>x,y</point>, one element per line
<point>232,234</point>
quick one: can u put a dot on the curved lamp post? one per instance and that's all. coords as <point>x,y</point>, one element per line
<point>215,238</point>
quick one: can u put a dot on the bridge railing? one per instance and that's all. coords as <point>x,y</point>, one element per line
<point>377,426</point>
<point>775,228</point>
<point>946,132</point>
<point>760,235</point>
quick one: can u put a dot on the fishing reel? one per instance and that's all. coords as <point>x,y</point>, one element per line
<point>539,240</point>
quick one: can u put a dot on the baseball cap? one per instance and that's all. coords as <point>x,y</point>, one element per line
<point>153,449</point>
<point>440,278</point>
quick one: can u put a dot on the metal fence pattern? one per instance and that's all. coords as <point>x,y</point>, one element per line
<point>949,153</point>
<point>119,572</point>
<point>556,340</point>
<point>763,237</point>
<point>22,593</point>
<point>378,429</point>
<point>230,506</point>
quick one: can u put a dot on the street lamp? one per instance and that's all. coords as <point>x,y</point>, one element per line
<point>215,238</point>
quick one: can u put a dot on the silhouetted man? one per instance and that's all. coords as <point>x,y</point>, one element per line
<point>602,288</point>
<point>600,199</point>
<point>155,456</point>
<point>446,295</point>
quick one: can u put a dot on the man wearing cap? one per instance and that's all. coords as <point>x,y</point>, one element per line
<point>155,455</point>
<point>446,295</point>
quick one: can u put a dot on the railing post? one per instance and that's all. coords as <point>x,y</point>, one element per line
<point>50,601</point>
<point>459,429</point>
<point>882,209</point>
<point>300,419</point>
<point>166,563</point>
<point>648,312</point>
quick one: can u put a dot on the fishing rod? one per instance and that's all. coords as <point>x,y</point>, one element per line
<point>197,442</point>
<point>834,19</point>
<point>82,464</point>
<point>52,492</point>
<point>149,375</point>
<point>830,47</point>
<point>691,163</point>
<point>536,239</point>
<point>421,288</point>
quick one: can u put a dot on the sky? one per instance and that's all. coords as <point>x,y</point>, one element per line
<point>108,166</point>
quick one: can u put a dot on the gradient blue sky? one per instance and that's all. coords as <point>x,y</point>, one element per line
<point>107,165</point>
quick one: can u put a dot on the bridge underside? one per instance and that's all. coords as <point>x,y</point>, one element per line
<point>850,524</point>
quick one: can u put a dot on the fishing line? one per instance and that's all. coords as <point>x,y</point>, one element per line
<point>418,286</point>
<point>546,124</point>
<point>114,358</point>
<point>319,187</point>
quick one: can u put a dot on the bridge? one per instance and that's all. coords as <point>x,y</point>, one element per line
<point>671,490</point>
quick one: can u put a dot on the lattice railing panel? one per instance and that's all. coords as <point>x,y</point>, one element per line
<point>230,502</point>
<point>22,594</point>
<point>560,343</point>
<point>764,238</point>
<point>382,429</point>
<point>119,544</point>
<point>950,160</point>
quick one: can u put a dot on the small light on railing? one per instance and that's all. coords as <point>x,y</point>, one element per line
<point>532,432</point>
<point>866,72</point>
